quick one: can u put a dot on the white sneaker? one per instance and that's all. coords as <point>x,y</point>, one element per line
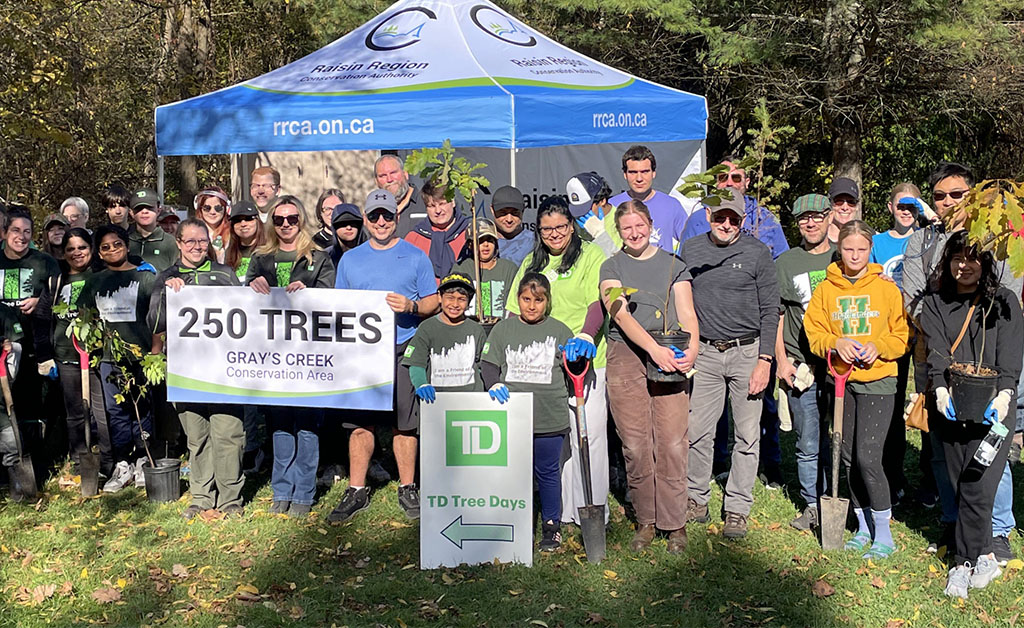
<point>120,477</point>
<point>985,570</point>
<point>140,477</point>
<point>959,578</point>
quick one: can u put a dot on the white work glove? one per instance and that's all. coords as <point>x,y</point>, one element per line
<point>46,367</point>
<point>803,378</point>
<point>998,407</point>
<point>944,404</point>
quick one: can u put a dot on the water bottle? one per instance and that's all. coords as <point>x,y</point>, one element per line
<point>989,447</point>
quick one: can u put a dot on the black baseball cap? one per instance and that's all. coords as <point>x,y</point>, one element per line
<point>581,191</point>
<point>345,212</point>
<point>243,209</point>
<point>455,280</point>
<point>841,186</point>
<point>507,196</point>
<point>144,198</point>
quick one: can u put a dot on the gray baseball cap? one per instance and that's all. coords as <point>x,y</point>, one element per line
<point>380,199</point>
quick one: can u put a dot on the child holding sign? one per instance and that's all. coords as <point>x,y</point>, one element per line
<point>449,343</point>
<point>523,354</point>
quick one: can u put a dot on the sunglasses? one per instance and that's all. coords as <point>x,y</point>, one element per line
<point>238,219</point>
<point>143,208</point>
<point>732,219</point>
<point>735,176</point>
<point>956,195</point>
<point>291,219</point>
<point>112,246</point>
<point>840,203</point>
<point>214,208</point>
<point>376,215</point>
<point>816,217</point>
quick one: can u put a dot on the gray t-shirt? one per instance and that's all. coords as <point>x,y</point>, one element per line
<point>495,285</point>
<point>652,279</point>
<point>450,353</point>
<point>735,289</point>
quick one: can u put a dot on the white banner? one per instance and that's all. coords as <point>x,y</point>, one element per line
<point>476,472</point>
<point>312,348</point>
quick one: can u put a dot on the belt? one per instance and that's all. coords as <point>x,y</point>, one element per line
<point>725,345</point>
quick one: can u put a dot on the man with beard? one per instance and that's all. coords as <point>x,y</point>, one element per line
<point>389,171</point>
<point>801,374</point>
<point>668,218</point>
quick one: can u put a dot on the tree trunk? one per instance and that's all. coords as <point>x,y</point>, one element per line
<point>844,47</point>
<point>847,154</point>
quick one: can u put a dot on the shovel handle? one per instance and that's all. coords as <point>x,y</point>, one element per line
<point>5,386</point>
<point>837,443</point>
<point>840,373</point>
<point>576,378</point>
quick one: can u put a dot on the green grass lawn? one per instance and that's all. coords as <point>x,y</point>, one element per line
<point>119,560</point>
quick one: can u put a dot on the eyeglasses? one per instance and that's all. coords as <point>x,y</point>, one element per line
<point>111,246</point>
<point>291,219</point>
<point>238,219</point>
<point>956,195</point>
<point>839,203</point>
<point>143,208</point>
<point>377,214</point>
<point>816,217</point>
<point>214,208</point>
<point>561,229</point>
<point>732,219</point>
<point>735,176</point>
<point>263,186</point>
<point>201,243</point>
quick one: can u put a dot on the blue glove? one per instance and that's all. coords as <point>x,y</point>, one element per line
<point>427,393</point>
<point>944,403</point>
<point>146,267</point>
<point>997,408</point>
<point>499,392</point>
<point>680,354</point>
<point>578,348</point>
<point>581,221</point>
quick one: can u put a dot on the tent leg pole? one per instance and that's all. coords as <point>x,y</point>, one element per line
<point>512,166</point>
<point>160,177</point>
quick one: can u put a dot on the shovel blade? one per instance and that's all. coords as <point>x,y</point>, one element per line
<point>89,465</point>
<point>592,526</point>
<point>23,480</point>
<point>833,521</point>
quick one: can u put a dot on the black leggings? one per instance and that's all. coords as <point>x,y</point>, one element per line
<point>866,421</point>
<point>71,384</point>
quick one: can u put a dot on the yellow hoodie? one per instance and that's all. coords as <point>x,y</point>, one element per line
<point>870,310</point>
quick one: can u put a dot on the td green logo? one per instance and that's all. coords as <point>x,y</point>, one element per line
<point>476,438</point>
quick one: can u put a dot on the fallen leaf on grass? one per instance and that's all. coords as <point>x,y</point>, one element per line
<point>515,592</point>
<point>23,595</point>
<point>245,563</point>
<point>594,618</point>
<point>65,589</point>
<point>179,571</point>
<point>28,558</point>
<point>296,612</point>
<point>537,622</point>
<point>42,592</point>
<point>1016,563</point>
<point>210,514</point>
<point>106,595</point>
<point>878,583</point>
<point>822,589</point>
<point>985,617</point>
<point>609,574</point>
<point>894,623</point>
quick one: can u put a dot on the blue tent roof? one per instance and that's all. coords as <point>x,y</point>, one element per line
<point>427,70</point>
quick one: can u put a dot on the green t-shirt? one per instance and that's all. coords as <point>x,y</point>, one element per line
<point>496,285</point>
<point>24,278</point>
<point>450,353</point>
<point>122,299</point>
<point>283,263</point>
<point>63,349</point>
<point>799,273</point>
<point>572,292</point>
<point>530,361</point>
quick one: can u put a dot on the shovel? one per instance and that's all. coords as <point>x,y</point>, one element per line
<point>834,509</point>
<point>591,516</point>
<point>23,474</point>
<point>89,462</point>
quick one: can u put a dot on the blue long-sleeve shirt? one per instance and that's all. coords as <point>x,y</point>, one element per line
<point>759,223</point>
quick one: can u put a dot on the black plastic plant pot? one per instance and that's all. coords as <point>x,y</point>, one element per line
<point>680,339</point>
<point>972,393</point>
<point>163,482</point>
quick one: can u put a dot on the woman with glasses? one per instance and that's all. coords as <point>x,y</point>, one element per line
<point>53,343</point>
<point>212,206</point>
<point>331,198</point>
<point>845,198</point>
<point>121,295</point>
<point>290,260</point>
<point>215,435</point>
<point>574,267</point>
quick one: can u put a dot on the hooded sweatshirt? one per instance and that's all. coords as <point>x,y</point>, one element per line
<point>869,309</point>
<point>346,212</point>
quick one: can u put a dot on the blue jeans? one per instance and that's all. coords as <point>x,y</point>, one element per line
<point>296,453</point>
<point>1002,510</point>
<point>807,409</point>
<point>124,427</point>
<point>547,472</point>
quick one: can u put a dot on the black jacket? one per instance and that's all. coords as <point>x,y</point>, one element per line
<point>209,274</point>
<point>318,274</point>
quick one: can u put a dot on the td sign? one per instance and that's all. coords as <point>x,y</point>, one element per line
<point>476,471</point>
<point>476,438</point>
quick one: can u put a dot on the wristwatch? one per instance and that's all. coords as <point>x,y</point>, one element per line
<point>767,358</point>
<point>415,308</point>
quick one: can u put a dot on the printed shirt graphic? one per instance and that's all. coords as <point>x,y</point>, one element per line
<point>69,295</point>
<point>17,283</point>
<point>855,314</point>
<point>530,361</point>
<point>496,284</point>
<point>122,298</point>
<point>888,251</point>
<point>449,352</point>
<point>283,263</point>
<point>799,274</point>
<point>243,267</point>
<point>119,305</point>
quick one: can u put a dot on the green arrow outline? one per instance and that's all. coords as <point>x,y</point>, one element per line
<point>500,532</point>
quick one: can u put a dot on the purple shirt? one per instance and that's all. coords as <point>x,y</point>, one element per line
<point>667,215</point>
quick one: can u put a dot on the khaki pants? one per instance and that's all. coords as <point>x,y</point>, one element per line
<point>215,444</point>
<point>651,420</point>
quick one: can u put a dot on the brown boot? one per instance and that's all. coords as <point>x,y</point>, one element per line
<point>677,541</point>
<point>642,538</point>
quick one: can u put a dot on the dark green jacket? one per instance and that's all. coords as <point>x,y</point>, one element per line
<point>158,248</point>
<point>209,274</point>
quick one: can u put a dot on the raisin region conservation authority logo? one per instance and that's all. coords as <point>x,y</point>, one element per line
<point>500,26</point>
<point>399,30</point>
